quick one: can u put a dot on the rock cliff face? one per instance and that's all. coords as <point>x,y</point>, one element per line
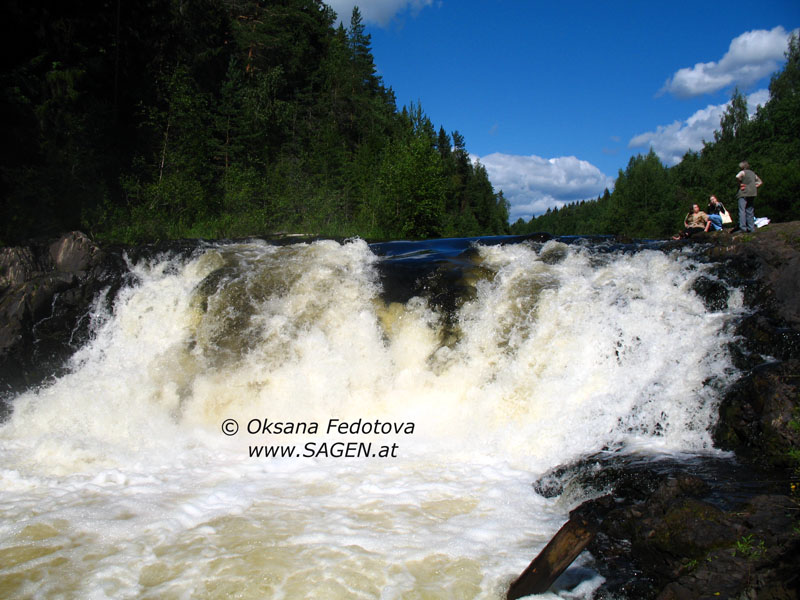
<point>682,536</point>
<point>45,289</point>
<point>760,415</point>
<point>686,546</point>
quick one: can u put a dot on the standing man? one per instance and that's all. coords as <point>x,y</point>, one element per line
<point>749,182</point>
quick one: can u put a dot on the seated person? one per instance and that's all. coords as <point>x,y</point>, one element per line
<point>714,214</point>
<point>695,222</point>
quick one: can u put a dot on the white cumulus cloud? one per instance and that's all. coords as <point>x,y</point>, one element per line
<point>750,57</point>
<point>532,184</point>
<point>379,12</point>
<point>671,142</point>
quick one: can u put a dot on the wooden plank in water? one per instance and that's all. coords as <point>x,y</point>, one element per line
<point>553,560</point>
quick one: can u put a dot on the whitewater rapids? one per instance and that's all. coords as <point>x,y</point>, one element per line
<point>154,468</point>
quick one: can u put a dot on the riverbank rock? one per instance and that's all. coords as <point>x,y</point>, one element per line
<point>682,546</point>
<point>74,253</point>
<point>767,262</point>
<point>760,414</point>
<point>685,527</point>
<point>42,287</point>
<point>701,531</point>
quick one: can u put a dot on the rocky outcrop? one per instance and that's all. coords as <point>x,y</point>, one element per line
<point>48,289</point>
<point>775,252</point>
<point>683,544</point>
<point>74,253</point>
<point>42,288</point>
<point>687,547</point>
<point>695,531</point>
<point>709,528</point>
<point>760,414</point>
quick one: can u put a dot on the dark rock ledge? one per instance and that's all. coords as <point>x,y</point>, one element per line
<point>715,528</point>
<point>46,288</point>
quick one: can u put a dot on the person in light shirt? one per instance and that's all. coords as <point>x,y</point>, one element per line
<point>695,222</point>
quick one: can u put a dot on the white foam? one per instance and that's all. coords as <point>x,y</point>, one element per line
<point>118,481</point>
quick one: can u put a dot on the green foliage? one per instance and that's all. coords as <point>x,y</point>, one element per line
<point>733,123</point>
<point>748,548</point>
<point>651,201</point>
<point>162,119</point>
<point>794,423</point>
<point>793,454</point>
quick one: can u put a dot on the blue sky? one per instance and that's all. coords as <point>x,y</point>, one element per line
<point>554,98</point>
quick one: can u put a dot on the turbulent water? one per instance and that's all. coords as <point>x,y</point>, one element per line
<point>340,420</point>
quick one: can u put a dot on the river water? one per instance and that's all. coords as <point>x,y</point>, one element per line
<point>345,420</point>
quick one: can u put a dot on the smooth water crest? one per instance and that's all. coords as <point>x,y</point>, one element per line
<point>340,420</point>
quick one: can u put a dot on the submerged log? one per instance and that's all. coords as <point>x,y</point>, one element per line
<point>559,553</point>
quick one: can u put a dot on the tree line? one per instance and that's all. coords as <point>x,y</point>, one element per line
<point>651,200</point>
<point>162,119</point>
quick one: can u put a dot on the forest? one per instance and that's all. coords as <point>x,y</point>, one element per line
<point>165,119</point>
<point>651,200</point>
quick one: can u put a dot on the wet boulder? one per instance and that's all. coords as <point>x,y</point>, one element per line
<point>74,252</point>
<point>44,289</point>
<point>677,544</point>
<point>713,293</point>
<point>760,414</point>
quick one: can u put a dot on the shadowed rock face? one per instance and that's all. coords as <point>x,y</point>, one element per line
<point>45,289</point>
<point>694,531</point>
<point>704,527</point>
<point>686,547</point>
<point>759,415</point>
<point>769,261</point>
<point>677,542</point>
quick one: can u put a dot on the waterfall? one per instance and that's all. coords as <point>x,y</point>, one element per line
<point>340,420</point>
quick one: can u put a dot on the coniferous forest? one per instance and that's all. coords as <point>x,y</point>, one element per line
<point>158,119</point>
<point>650,200</point>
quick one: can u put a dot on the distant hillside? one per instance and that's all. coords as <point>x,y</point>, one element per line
<point>650,200</point>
